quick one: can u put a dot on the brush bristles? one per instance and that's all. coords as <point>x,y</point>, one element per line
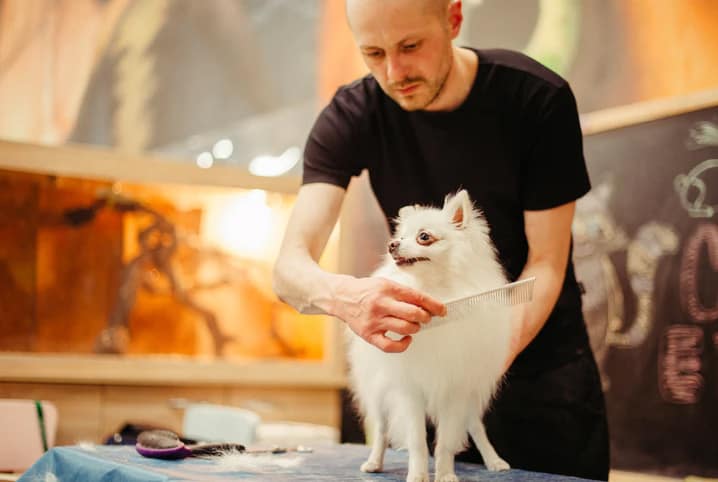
<point>509,295</point>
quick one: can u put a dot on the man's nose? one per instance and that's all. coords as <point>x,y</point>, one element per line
<point>395,70</point>
<point>393,246</point>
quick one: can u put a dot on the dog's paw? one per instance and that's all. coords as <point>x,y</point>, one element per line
<point>497,464</point>
<point>371,466</point>
<point>416,477</point>
<point>446,478</point>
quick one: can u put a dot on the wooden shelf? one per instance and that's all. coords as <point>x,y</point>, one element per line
<point>84,161</point>
<point>617,117</point>
<point>167,370</point>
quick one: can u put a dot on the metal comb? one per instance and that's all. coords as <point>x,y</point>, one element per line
<point>510,294</point>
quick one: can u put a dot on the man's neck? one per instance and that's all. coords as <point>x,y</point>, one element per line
<point>459,81</point>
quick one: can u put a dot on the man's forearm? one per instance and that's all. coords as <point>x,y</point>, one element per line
<point>303,284</point>
<point>529,318</point>
<point>548,233</point>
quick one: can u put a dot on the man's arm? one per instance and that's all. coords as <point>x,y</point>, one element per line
<point>549,238</point>
<point>370,306</point>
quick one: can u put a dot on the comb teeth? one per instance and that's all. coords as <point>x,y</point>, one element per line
<point>510,294</point>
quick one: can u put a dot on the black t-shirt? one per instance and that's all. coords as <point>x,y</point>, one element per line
<point>514,144</point>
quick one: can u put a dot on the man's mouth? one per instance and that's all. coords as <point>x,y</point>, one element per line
<point>408,90</point>
<point>408,261</point>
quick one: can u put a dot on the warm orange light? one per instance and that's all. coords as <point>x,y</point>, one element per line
<point>242,224</point>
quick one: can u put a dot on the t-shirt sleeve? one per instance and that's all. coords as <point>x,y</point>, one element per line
<point>332,153</point>
<point>554,172</point>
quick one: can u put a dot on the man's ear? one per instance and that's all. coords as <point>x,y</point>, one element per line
<point>454,17</point>
<point>459,208</point>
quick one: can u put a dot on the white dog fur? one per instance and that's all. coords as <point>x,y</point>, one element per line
<point>451,372</point>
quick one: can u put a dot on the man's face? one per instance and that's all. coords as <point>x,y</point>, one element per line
<point>406,44</point>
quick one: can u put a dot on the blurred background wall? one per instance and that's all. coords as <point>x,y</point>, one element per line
<point>175,75</point>
<point>183,78</point>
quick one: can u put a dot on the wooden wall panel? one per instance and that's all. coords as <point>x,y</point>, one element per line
<point>90,413</point>
<point>78,406</point>
<point>150,405</point>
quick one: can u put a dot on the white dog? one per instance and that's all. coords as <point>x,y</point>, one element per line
<point>449,372</point>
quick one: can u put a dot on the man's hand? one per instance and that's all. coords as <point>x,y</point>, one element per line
<point>373,306</point>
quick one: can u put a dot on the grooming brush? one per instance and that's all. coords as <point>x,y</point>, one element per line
<point>163,444</point>
<point>510,294</point>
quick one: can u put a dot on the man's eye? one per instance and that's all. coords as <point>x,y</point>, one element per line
<point>410,47</point>
<point>373,54</point>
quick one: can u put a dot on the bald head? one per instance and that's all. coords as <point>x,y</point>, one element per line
<point>438,8</point>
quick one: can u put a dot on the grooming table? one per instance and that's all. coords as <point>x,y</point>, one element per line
<point>329,463</point>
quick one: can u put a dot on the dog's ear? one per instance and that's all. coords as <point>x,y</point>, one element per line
<point>459,208</point>
<point>406,210</point>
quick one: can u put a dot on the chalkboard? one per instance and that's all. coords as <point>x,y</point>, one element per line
<point>646,251</point>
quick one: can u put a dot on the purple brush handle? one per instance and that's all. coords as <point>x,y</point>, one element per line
<point>164,444</point>
<point>172,453</point>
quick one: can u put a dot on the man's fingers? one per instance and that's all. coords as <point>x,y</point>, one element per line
<point>399,326</point>
<point>414,297</point>
<point>407,311</point>
<point>387,344</point>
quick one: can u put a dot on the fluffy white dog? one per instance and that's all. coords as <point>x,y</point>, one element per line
<point>450,372</point>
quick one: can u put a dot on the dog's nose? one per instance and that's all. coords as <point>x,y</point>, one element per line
<point>392,246</point>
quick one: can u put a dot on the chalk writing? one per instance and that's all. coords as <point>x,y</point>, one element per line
<point>690,264</point>
<point>702,134</point>
<point>686,184</point>
<point>679,368</point>
<point>652,242</point>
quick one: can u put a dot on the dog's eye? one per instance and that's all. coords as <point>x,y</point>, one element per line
<point>425,238</point>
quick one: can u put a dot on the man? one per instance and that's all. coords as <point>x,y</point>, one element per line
<point>432,118</point>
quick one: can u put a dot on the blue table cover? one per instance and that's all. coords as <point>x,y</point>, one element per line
<point>331,463</point>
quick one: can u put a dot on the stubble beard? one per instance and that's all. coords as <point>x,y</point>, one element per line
<point>416,102</point>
